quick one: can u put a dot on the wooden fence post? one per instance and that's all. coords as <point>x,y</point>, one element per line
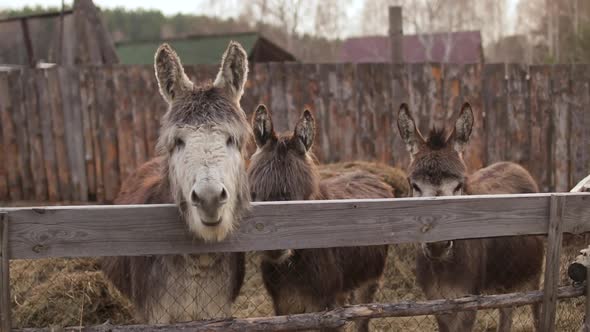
<point>551,281</point>
<point>586,324</point>
<point>4,275</point>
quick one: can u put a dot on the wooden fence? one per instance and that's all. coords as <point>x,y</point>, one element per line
<point>155,229</point>
<point>74,133</point>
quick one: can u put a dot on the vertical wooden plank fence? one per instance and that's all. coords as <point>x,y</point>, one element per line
<point>74,133</point>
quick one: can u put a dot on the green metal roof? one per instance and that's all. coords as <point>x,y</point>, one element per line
<point>192,50</point>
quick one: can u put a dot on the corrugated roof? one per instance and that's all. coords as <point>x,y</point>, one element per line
<point>466,48</point>
<point>192,50</point>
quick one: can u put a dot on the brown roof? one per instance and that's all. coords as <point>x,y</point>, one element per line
<point>466,48</point>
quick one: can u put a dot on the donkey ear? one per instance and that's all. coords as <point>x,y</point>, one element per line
<point>408,130</point>
<point>233,73</point>
<point>463,127</point>
<point>305,131</point>
<point>170,74</point>
<point>262,125</point>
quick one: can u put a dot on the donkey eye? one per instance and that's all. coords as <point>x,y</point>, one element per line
<point>230,141</point>
<point>416,188</point>
<point>178,143</point>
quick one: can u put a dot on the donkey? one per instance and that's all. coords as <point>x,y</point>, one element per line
<point>450,269</point>
<point>308,280</point>
<point>201,169</point>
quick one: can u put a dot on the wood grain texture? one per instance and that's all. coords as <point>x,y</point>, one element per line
<point>33,131</point>
<point>88,105</point>
<point>327,118</point>
<point>579,135</point>
<point>278,101</point>
<point>400,93</point>
<point>518,116</point>
<point>9,139</point>
<point>495,108</point>
<point>366,112</point>
<point>338,317</point>
<point>551,279</point>
<point>49,155</point>
<point>107,127</point>
<point>5,312</point>
<point>71,106</point>
<point>471,91</point>
<point>138,92</point>
<point>17,84</point>
<point>541,127</point>
<point>124,121</point>
<point>156,229</point>
<point>587,311</point>
<point>537,120</point>
<point>561,91</point>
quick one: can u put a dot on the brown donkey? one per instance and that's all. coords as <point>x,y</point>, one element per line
<point>201,169</point>
<point>309,280</point>
<point>451,269</point>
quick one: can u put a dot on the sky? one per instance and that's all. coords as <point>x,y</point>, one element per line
<point>171,7</point>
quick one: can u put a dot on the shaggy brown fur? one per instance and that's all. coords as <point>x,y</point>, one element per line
<point>452,269</point>
<point>174,288</point>
<point>309,280</point>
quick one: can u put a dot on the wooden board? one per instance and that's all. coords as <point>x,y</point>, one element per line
<point>471,91</point>
<point>552,263</point>
<point>579,136</point>
<point>88,105</point>
<point>108,133</point>
<point>541,127</point>
<point>347,113</point>
<point>518,116</point>
<point>49,155</point>
<point>71,106</point>
<point>323,115</point>
<point>278,99</point>
<point>495,104</point>
<point>123,115</point>
<point>9,140</point>
<point>138,107</point>
<point>55,108</point>
<point>366,112</point>
<point>400,93</point>
<point>561,91</point>
<point>156,229</point>
<point>33,132</point>
<point>17,84</point>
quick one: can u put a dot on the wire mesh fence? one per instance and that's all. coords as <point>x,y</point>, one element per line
<point>74,292</point>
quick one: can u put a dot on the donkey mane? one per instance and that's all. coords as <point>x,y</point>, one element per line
<point>437,138</point>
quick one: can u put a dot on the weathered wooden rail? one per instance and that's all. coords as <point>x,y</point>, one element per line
<point>155,229</point>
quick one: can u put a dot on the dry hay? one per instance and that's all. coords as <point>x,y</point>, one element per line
<point>393,176</point>
<point>64,292</point>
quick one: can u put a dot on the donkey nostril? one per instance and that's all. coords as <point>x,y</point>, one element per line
<point>194,198</point>
<point>223,196</point>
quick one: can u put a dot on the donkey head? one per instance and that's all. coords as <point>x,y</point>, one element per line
<point>202,137</point>
<point>437,167</point>
<point>283,167</point>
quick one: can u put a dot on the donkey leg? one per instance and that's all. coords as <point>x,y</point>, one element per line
<point>536,308</point>
<point>505,324</point>
<point>458,322</point>
<point>363,295</point>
